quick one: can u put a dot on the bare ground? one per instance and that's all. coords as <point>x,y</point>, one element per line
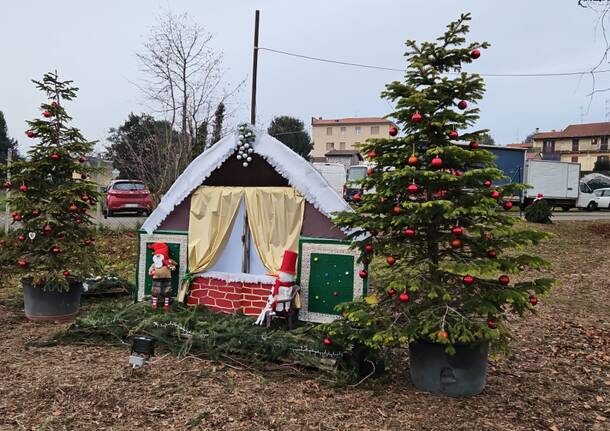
<point>557,376</point>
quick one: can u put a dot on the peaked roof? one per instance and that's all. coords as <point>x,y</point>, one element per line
<point>300,174</point>
<point>353,120</point>
<point>577,131</point>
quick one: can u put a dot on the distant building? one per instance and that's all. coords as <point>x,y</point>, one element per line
<point>531,152</point>
<point>345,133</point>
<point>581,143</point>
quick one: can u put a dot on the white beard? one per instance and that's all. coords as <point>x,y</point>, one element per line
<point>158,260</point>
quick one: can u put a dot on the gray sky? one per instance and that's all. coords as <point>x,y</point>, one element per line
<point>94,43</point>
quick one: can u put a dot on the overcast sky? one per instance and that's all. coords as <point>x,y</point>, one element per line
<point>95,44</point>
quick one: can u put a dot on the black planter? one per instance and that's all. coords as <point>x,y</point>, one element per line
<point>43,305</point>
<point>461,374</point>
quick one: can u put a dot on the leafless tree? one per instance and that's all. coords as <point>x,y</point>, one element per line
<point>183,81</point>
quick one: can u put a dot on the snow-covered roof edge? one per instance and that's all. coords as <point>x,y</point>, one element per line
<point>300,174</point>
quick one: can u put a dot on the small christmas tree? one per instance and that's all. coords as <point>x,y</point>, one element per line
<point>436,217</point>
<point>53,239</point>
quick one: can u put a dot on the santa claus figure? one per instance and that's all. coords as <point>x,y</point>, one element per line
<point>161,273</point>
<point>283,287</point>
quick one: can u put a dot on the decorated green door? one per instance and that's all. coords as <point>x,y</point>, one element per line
<point>331,282</point>
<point>174,254</point>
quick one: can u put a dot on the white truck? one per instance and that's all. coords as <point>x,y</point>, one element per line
<point>557,181</point>
<point>334,174</point>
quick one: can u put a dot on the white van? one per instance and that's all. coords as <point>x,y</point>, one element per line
<point>334,173</point>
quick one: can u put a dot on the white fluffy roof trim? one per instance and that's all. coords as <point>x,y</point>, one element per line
<point>300,174</point>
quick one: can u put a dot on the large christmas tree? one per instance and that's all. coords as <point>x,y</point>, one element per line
<point>435,214</point>
<point>52,240</point>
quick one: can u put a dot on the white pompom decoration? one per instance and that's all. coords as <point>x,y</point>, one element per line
<point>249,159</point>
<point>245,164</point>
<point>239,157</point>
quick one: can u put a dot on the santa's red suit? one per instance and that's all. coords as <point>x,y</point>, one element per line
<point>282,288</point>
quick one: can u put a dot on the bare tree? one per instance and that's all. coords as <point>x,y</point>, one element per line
<point>184,82</point>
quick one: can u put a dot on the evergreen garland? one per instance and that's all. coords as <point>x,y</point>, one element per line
<point>538,211</point>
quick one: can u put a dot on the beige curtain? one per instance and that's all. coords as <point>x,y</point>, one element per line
<point>275,218</point>
<point>212,214</point>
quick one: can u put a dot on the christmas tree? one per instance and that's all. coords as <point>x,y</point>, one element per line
<point>52,240</point>
<point>435,215</point>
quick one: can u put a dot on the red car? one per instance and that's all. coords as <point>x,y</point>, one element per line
<point>127,196</point>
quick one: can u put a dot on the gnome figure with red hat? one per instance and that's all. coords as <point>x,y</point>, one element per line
<point>283,287</point>
<point>161,272</point>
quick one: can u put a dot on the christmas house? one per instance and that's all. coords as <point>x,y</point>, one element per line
<point>231,215</point>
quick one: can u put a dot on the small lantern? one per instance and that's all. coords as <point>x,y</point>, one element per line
<point>142,348</point>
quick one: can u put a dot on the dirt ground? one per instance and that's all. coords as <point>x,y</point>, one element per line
<point>557,376</point>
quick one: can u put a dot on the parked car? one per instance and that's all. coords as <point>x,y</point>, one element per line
<point>127,196</point>
<point>601,199</point>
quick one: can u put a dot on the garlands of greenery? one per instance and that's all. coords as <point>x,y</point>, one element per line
<point>435,217</point>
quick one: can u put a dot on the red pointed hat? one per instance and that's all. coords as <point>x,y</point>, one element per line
<point>160,248</point>
<point>289,262</point>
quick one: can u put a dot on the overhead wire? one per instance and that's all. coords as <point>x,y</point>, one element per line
<point>392,69</point>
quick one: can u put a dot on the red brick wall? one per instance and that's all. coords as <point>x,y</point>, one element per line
<point>229,297</point>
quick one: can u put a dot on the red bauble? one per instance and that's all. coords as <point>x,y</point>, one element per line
<point>487,183</point>
<point>391,260</point>
<point>504,280</point>
<point>66,273</point>
<point>392,292</point>
<point>393,131</point>
<point>457,173</point>
<point>403,297</point>
<point>491,323</point>
<point>468,280</point>
<point>456,243</point>
<point>475,53</point>
<point>368,248</point>
<point>2,242</point>
<point>495,194</point>
<point>22,263</point>
<point>442,335</point>
<point>357,197</point>
<point>54,104</point>
<point>508,205</point>
<point>86,197</point>
<point>54,156</point>
<point>47,229</point>
<point>416,117</point>
<point>23,188</point>
<point>462,104</point>
<point>453,134</point>
<point>409,232</point>
<point>81,159</point>
<point>327,341</point>
<point>533,300</point>
<point>60,235</point>
<point>21,237</point>
<point>371,154</point>
<point>18,217</point>
<point>363,273</point>
<point>55,250</point>
<point>457,231</point>
<point>6,184</point>
<point>396,210</point>
<point>78,221</point>
<point>30,134</point>
<point>87,242</point>
<point>73,208</point>
<point>46,114</point>
<point>412,188</point>
<point>35,213</point>
<point>412,161</point>
<point>436,162</point>
<point>473,145</point>
<point>492,254</point>
<point>370,171</point>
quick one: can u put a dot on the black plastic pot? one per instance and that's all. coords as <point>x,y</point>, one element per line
<point>461,374</point>
<point>47,305</point>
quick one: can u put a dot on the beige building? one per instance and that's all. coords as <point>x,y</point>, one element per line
<point>580,143</point>
<point>344,134</point>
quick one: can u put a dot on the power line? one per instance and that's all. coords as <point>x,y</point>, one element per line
<point>392,69</point>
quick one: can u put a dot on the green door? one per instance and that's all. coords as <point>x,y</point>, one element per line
<point>174,254</point>
<point>331,282</point>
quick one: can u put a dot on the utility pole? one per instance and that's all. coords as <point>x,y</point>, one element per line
<point>245,263</point>
<point>9,159</point>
